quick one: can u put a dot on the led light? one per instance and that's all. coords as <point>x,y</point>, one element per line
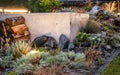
<point>15,10</point>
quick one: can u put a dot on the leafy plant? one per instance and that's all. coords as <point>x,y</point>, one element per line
<point>69,59</point>
<point>48,5</point>
<point>101,61</point>
<point>81,37</point>
<point>6,61</point>
<point>97,39</point>
<point>24,69</point>
<point>20,48</point>
<point>115,40</point>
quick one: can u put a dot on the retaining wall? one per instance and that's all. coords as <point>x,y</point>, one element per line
<point>53,24</point>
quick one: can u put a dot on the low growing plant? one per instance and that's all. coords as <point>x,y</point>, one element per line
<point>81,37</point>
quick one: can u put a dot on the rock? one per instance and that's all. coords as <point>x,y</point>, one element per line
<point>117,21</point>
<point>63,42</point>
<point>95,10</point>
<point>85,44</point>
<point>51,43</point>
<point>71,46</point>
<point>39,41</point>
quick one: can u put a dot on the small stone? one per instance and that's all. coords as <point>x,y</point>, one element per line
<point>71,46</point>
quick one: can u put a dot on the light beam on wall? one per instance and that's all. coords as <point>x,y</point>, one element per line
<point>16,10</point>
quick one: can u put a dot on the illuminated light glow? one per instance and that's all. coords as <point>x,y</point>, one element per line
<point>33,52</point>
<point>1,10</point>
<point>118,13</point>
<point>15,10</point>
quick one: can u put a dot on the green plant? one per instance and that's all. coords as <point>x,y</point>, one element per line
<point>11,73</point>
<point>97,39</point>
<point>101,61</point>
<point>24,69</point>
<point>6,61</point>
<point>81,37</point>
<point>48,5</point>
<point>69,59</point>
<point>20,48</point>
<point>115,40</point>
<point>32,57</point>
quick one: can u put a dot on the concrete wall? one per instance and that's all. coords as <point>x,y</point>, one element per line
<point>53,24</point>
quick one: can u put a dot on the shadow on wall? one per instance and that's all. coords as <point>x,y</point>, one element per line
<point>78,21</point>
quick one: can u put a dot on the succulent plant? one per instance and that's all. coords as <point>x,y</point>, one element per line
<point>81,37</point>
<point>24,69</point>
<point>20,48</point>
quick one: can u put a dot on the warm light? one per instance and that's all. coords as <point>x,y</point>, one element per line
<point>1,10</point>
<point>33,52</point>
<point>15,10</point>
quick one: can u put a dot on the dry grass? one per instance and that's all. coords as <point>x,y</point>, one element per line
<point>91,55</point>
<point>53,70</point>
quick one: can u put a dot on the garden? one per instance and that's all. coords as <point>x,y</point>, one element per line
<point>93,49</point>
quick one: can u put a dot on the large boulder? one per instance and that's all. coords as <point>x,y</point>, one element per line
<point>39,41</point>
<point>51,43</point>
<point>95,10</point>
<point>117,22</point>
<point>63,42</point>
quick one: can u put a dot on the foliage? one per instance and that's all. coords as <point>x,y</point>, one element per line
<point>69,59</point>
<point>97,39</point>
<point>115,40</point>
<point>41,49</point>
<point>53,70</point>
<point>24,69</point>
<point>20,48</point>
<point>101,61</point>
<point>81,37</point>
<point>11,73</point>
<point>48,5</point>
<point>33,5</point>
<point>91,55</point>
<point>111,6</point>
<point>92,27</point>
<point>6,61</point>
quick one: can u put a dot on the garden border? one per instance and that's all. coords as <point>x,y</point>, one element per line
<point>108,61</point>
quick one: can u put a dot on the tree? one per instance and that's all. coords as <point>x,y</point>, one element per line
<point>32,5</point>
<point>48,5</point>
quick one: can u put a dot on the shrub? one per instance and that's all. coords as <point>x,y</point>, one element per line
<point>6,61</point>
<point>81,37</point>
<point>48,5</point>
<point>24,69</point>
<point>92,27</point>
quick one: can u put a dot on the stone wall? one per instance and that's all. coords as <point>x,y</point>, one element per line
<point>53,24</point>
